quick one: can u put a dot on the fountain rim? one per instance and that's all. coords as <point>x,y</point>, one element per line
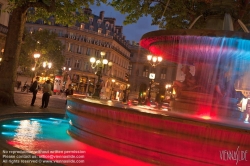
<point>151,37</point>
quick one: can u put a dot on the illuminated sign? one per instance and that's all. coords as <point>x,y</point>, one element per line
<point>152,76</point>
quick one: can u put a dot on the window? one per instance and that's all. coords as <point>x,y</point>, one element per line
<point>91,27</point>
<point>70,47</point>
<point>130,69</point>
<point>77,64</point>
<point>71,35</point>
<point>79,49</point>
<point>90,20</point>
<point>60,33</point>
<point>88,51</point>
<point>111,56</point>
<point>99,21</point>
<point>107,32</point>
<point>97,53</point>
<point>145,71</point>
<point>82,26</point>
<point>99,30</point>
<point>137,72</point>
<point>87,66</point>
<point>107,25</point>
<point>163,73</point>
<point>67,62</point>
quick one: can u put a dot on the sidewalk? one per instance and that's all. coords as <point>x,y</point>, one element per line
<point>22,99</point>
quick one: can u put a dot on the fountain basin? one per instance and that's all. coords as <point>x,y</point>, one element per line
<point>192,45</point>
<point>42,139</point>
<point>197,103</point>
<point>153,136</point>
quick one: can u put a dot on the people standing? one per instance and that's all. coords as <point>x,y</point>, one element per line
<point>46,94</point>
<point>34,90</point>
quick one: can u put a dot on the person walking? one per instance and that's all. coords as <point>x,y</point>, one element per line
<point>46,94</point>
<point>34,90</point>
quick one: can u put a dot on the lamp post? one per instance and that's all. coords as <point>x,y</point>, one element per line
<point>46,66</point>
<point>36,56</point>
<point>113,81</point>
<point>153,61</point>
<point>99,64</point>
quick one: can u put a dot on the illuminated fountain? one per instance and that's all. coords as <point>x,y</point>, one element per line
<point>216,55</point>
<point>163,137</point>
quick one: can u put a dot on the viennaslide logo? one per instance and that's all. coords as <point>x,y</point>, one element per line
<point>233,155</point>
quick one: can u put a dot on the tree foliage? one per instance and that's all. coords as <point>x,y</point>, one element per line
<point>64,11</point>
<point>46,44</point>
<point>172,14</point>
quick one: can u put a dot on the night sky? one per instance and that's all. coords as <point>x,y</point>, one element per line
<point>133,32</point>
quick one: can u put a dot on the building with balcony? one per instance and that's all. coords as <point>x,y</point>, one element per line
<point>85,40</point>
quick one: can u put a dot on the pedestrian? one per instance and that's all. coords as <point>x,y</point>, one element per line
<point>46,94</point>
<point>69,91</point>
<point>34,89</point>
<point>18,85</point>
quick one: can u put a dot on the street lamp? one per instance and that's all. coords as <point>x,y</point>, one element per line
<point>46,66</point>
<point>99,64</point>
<point>36,56</point>
<point>153,61</point>
<point>113,81</point>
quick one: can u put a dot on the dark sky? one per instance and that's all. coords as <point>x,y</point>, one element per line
<point>133,32</point>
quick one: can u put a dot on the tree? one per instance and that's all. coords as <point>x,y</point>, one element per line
<point>46,44</point>
<point>172,14</point>
<point>64,12</point>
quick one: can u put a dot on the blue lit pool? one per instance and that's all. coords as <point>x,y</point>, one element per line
<point>41,136</point>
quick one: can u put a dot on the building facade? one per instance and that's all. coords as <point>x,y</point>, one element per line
<point>140,69</point>
<point>4,21</point>
<point>85,40</point>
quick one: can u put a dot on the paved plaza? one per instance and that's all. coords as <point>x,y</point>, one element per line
<point>23,100</point>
